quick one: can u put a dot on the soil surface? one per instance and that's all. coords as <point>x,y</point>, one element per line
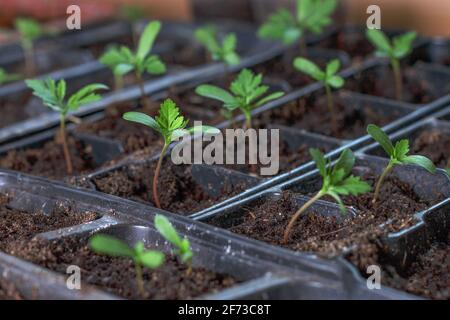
<point>19,225</point>
<point>117,275</point>
<point>10,107</point>
<point>178,190</point>
<point>435,145</point>
<point>49,161</point>
<point>428,277</point>
<point>333,234</point>
<point>8,291</point>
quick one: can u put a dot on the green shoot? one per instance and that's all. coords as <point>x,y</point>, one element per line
<point>53,95</point>
<point>166,229</point>
<point>112,58</point>
<point>29,30</point>
<point>171,125</point>
<point>328,78</point>
<point>311,16</point>
<point>398,155</point>
<point>6,77</point>
<point>336,181</point>
<point>400,47</point>
<point>123,60</point>
<point>246,94</point>
<point>113,247</point>
<point>225,52</point>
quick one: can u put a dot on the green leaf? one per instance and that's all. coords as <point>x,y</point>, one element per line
<point>151,259</point>
<point>153,65</point>
<point>28,28</point>
<point>46,91</point>
<point>420,161</point>
<point>338,200</point>
<point>216,93</point>
<point>141,118</point>
<point>231,59</point>
<point>270,97</point>
<point>229,43</point>
<point>403,44</point>
<point>319,159</point>
<point>281,26</point>
<point>345,162</point>
<point>166,229</point>
<point>382,138</point>
<point>111,246</point>
<point>332,67</point>
<point>310,68</point>
<point>401,149</point>
<point>336,82</point>
<point>85,96</point>
<point>353,185</point>
<point>207,37</point>
<point>147,39</point>
<point>379,40</point>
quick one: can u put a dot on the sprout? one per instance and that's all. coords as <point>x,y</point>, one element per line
<point>246,94</point>
<point>225,52</point>
<point>113,247</point>
<point>328,78</point>
<point>398,155</point>
<point>113,59</point>
<point>53,94</point>
<point>400,47</point>
<point>29,30</point>
<point>8,77</point>
<point>336,181</point>
<point>312,16</point>
<point>170,124</point>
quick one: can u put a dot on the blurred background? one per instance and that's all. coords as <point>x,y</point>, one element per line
<point>430,17</point>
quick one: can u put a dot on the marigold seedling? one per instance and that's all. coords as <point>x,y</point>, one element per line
<point>398,155</point>
<point>246,94</point>
<point>328,78</point>
<point>53,95</point>
<point>336,181</point>
<point>6,77</point>
<point>113,59</point>
<point>123,60</point>
<point>113,247</point>
<point>29,30</point>
<point>182,246</point>
<point>311,16</point>
<point>225,52</point>
<point>400,47</point>
<point>171,125</point>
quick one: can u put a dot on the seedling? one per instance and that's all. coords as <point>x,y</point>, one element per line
<point>311,16</point>
<point>328,78</point>
<point>29,30</point>
<point>225,52</point>
<point>246,94</point>
<point>400,47</point>
<point>112,58</point>
<point>113,247</point>
<point>123,60</point>
<point>6,77</point>
<point>171,125</point>
<point>398,155</point>
<point>182,246</point>
<point>336,181</point>
<point>53,95</point>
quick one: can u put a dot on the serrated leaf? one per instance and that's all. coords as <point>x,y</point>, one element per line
<point>353,185</point>
<point>382,138</point>
<point>111,246</point>
<point>147,39</point>
<point>401,149</point>
<point>310,68</point>
<point>420,161</point>
<point>319,159</point>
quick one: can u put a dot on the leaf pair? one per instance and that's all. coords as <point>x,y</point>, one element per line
<point>400,47</point>
<point>246,93</point>
<point>399,153</point>
<point>225,52</point>
<point>29,29</point>
<point>337,179</point>
<point>122,60</point>
<point>327,77</point>
<point>6,77</point>
<point>53,94</point>
<point>311,16</point>
<point>169,123</point>
<point>166,229</point>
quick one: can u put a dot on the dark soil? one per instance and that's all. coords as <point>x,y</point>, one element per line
<point>178,190</point>
<point>435,145</point>
<point>334,234</point>
<point>354,43</point>
<point>19,225</point>
<point>117,275</point>
<point>312,114</point>
<point>10,110</point>
<point>429,276</point>
<point>8,291</point>
<point>48,160</point>
<point>380,82</point>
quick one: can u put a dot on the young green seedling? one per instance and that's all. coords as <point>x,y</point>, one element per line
<point>124,60</point>
<point>113,247</point>
<point>400,47</point>
<point>336,181</point>
<point>328,78</point>
<point>398,155</point>
<point>246,94</point>
<point>29,30</point>
<point>53,95</point>
<point>6,77</point>
<point>182,246</point>
<point>112,58</point>
<point>225,52</point>
<point>311,16</point>
<point>171,125</point>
